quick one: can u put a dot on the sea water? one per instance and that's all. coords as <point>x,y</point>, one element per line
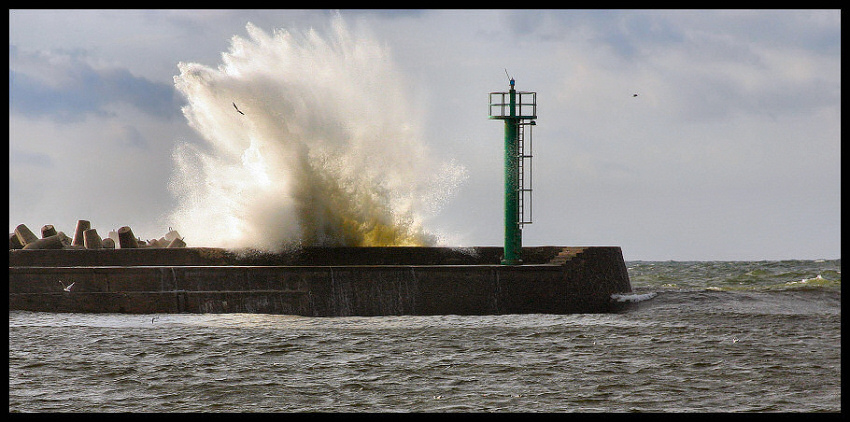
<point>309,139</point>
<point>715,337</point>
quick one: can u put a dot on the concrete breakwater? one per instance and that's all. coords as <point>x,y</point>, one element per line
<point>85,237</point>
<point>315,281</point>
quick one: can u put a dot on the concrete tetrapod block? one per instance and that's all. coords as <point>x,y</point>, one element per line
<point>14,242</point>
<point>82,226</point>
<point>171,235</point>
<point>91,240</point>
<point>177,243</point>
<point>49,242</point>
<point>47,230</point>
<point>126,239</point>
<point>25,235</point>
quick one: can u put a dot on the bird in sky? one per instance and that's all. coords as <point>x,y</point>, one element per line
<point>237,109</point>
<point>68,287</point>
<point>634,95</point>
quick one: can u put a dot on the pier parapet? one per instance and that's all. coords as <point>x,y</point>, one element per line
<point>344,281</point>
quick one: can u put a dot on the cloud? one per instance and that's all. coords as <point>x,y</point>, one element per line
<point>63,85</point>
<point>29,159</point>
<point>734,140</point>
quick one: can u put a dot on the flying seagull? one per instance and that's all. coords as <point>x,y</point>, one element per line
<point>635,95</point>
<point>68,287</point>
<point>237,109</point>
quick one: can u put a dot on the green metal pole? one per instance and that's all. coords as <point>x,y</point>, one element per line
<point>513,233</point>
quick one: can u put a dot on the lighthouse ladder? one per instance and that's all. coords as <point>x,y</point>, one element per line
<point>524,156</point>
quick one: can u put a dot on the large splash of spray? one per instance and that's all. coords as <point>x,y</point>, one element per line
<point>308,140</point>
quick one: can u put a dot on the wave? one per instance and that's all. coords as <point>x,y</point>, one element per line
<point>307,140</point>
<point>736,275</point>
<point>633,297</point>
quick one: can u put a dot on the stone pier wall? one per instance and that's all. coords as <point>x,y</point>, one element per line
<point>318,281</point>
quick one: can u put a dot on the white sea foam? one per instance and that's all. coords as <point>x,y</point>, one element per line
<point>633,297</point>
<point>327,152</point>
<point>806,280</point>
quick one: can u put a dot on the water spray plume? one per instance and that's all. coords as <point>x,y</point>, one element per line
<point>306,141</point>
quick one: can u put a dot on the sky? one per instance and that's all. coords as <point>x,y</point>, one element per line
<point>730,151</point>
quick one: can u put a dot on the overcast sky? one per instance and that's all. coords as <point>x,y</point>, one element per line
<point>730,151</point>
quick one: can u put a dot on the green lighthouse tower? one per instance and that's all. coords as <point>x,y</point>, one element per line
<point>519,110</point>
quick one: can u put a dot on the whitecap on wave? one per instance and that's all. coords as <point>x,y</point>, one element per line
<point>631,297</point>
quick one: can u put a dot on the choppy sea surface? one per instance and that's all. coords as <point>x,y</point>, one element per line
<point>696,337</point>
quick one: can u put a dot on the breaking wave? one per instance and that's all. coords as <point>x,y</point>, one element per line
<point>632,297</point>
<point>307,140</point>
